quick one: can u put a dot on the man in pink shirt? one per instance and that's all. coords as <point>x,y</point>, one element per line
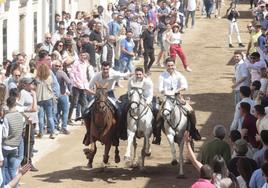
<point>205,179</point>
<point>80,74</point>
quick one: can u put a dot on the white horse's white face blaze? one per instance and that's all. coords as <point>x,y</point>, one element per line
<point>139,120</point>
<point>175,123</point>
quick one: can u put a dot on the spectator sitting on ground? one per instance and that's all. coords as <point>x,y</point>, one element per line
<point>234,136</point>
<point>259,155</point>
<point>257,179</point>
<point>241,148</point>
<point>262,120</point>
<point>206,176</point>
<point>249,130</point>
<point>245,95</point>
<point>245,170</point>
<point>216,146</point>
<point>218,164</point>
<point>264,169</point>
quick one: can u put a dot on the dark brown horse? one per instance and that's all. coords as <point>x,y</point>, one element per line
<point>101,126</point>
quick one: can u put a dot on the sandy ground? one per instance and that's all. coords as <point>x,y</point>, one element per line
<point>64,164</point>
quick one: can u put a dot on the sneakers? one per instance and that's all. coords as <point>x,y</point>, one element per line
<point>188,69</point>
<point>241,45</point>
<point>39,135</point>
<point>52,136</point>
<point>231,46</point>
<point>65,131</point>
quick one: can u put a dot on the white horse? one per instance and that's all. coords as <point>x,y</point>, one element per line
<point>139,124</point>
<point>175,124</point>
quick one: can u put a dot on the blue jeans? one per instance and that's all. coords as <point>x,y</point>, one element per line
<point>12,161</point>
<point>188,13</point>
<point>125,65</point>
<point>237,96</point>
<point>46,107</point>
<point>63,109</point>
<point>55,113</point>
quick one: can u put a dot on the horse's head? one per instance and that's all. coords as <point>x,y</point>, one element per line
<point>168,106</point>
<point>101,95</point>
<point>135,98</point>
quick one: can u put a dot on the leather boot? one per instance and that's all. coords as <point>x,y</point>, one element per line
<point>194,133</point>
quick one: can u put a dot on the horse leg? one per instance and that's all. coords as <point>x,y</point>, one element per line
<point>90,153</point>
<point>143,154</point>
<point>106,153</point>
<point>147,148</point>
<point>170,139</point>
<point>116,157</point>
<point>130,142</point>
<point>181,160</point>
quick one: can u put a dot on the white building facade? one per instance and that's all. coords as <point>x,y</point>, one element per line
<point>23,23</point>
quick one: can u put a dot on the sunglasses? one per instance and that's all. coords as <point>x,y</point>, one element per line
<point>17,75</point>
<point>61,45</point>
<point>58,66</point>
<point>48,37</point>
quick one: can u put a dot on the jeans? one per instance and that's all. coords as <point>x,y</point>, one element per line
<point>55,113</point>
<point>78,97</point>
<point>125,64</point>
<point>237,96</point>
<point>12,160</point>
<point>148,53</point>
<point>188,13</point>
<point>208,6</point>
<point>63,110</point>
<point>46,107</point>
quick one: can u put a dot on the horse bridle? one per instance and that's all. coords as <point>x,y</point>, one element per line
<point>145,109</point>
<point>174,101</point>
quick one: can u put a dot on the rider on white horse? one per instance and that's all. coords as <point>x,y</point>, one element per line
<point>145,83</point>
<point>173,83</point>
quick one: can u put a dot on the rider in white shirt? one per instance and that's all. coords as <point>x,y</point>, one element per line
<point>145,83</point>
<point>173,83</point>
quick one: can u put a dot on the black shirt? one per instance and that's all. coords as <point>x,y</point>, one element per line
<point>95,36</point>
<point>148,39</point>
<point>89,48</point>
<point>232,167</point>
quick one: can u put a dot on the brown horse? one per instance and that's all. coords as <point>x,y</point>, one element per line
<point>101,126</point>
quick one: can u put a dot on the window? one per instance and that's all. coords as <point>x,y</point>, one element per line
<point>35,28</point>
<point>4,39</point>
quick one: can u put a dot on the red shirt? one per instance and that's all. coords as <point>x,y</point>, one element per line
<point>203,183</point>
<point>249,123</point>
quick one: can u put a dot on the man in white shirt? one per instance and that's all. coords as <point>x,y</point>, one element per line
<point>191,7</point>
<point>238,119</point>
<point>242,75</point>
<point>145,83</point>
<point>173,83</point>
<point>47,44</point>
<point>254,63</point>
<point>108,77</point>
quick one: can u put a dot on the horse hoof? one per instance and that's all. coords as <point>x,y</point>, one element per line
<point>174,163</point>
<point>126,158</point>
<point>148,154</point>
<point>105,159</point>
<point>89,165</point>
<point>86,151</point>
<point>117,159</point>
<point>181,176</point>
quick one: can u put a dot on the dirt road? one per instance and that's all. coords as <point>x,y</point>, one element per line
<point>210,92</point>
